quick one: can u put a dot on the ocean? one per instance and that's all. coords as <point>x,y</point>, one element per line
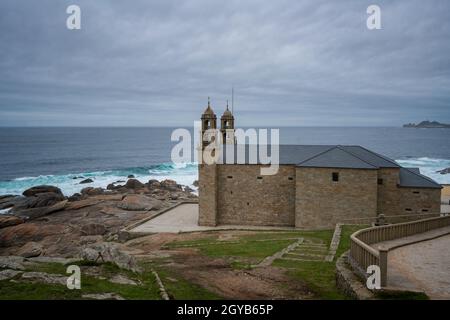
<point>64,156</point>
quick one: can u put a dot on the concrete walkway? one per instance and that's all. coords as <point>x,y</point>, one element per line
<point>422,266</point>
<point>184,218</point>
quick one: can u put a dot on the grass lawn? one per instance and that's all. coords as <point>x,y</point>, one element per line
<point>19,289</point>
<point>241,250</point>
<point>319,276</point>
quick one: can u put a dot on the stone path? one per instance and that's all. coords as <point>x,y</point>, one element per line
<point>334,243</point>
<point>423,266</point>
<point>308,250</point>
<point>184,218</point>
<point>268,260</point>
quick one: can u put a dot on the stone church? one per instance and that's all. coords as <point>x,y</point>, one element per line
<point>316,187</point>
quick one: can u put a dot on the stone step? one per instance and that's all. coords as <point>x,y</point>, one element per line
<point>298,259</point>
<point>312,248</point>
<point>306,254</point>
<point>314,244</point>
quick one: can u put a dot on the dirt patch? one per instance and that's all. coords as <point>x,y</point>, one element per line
<point>217,276</point>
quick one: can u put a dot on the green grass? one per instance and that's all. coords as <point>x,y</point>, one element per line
<point>347,231</point>
<point>253,245</point>
<point>242,251</point>
<point>177,287</point>
<point>319,276</point>
<point>18,289</point>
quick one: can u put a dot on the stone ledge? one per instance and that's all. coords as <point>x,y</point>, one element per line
<point>348,283</point>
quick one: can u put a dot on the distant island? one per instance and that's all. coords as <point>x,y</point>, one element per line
<point>427,124</point>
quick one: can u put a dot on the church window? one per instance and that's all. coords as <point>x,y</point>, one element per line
<point>335,176</point>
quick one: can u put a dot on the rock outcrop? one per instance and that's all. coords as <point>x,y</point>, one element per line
<point>134,184</point>
<point>109,252</point>
<point>444,171</point>
<point>138,202</point>
<point>41,189</point>
<point>8,221</point>
<point>89,180</point>
<point>30,250</point>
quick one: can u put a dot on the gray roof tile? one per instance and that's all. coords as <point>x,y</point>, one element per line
<point>412,179</point>
<point>336,157</point>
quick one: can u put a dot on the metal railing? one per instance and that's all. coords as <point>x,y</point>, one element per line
<point>363,255</point>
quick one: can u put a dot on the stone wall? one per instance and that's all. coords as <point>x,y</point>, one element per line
<point>321,202</point>
<point>394,200</point>
<point>207,191</point>
<point>417,201</point>
<point>388,191</point>
<point>245,197</point>
<point>307,197</point>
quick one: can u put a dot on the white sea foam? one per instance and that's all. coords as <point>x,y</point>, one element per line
<point>184,174</point>
<point>429,167</point>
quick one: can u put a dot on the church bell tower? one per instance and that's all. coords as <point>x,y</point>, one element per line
<point>227,127</point>
<point>209,121</point>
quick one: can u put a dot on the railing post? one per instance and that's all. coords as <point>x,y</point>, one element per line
<point>383,265</point>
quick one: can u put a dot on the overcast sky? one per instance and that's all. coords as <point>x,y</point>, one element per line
<point>292,63</point>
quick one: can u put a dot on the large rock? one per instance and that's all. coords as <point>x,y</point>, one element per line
<point>88,180</point>
<point>34,213</point>
<point>195,183</point>
<point>153,183</point>
<point>139,202</point>
<point>12,262</point>
<point>8,274</point>
<point>39,200</point>
<point>44,278</point>
<point>30,250</point>
<point>8,201</point>
<point>26,232</point>
<point>90,191</point>
<point>444,171</point>
<point>170,185</point>
<point>7,221</point>
<point>134,184</point>
<point>120,279</point>
<point>93,229</point>
<point>41,189</point>
<point>109,252</point>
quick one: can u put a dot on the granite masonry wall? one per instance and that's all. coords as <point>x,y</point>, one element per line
<point>307,197</point>
<point>245,197</point>
<point>207,189</point>
<point>321,202</point>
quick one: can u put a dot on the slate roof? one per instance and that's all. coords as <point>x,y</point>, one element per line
<point>409,177</point>
<point>334,156</point>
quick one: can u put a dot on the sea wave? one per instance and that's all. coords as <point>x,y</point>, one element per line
<point>428,167</point>
<point>184,173</point>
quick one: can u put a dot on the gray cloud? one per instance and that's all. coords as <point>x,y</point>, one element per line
<point>150,63</point>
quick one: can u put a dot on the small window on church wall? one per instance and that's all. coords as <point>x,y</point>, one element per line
<point>408,209</point>
<point>290,178</point>
<point>380,181</point>
<point>259,178</point>
<point>230,177</point>
<point>424,210</point>
<point>416,192</point>
<point>335,176</point>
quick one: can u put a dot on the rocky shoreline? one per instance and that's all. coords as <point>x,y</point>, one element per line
<point>45,223</point>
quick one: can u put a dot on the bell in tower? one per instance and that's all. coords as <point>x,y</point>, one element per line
<point>209,120</point>
<point>227,127</point>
